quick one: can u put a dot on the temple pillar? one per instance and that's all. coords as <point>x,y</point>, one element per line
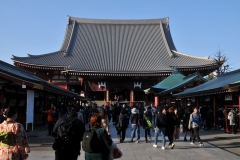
<point>107,98</point>
<point>214,109</point>
<point>156,101</point>
<point>2,96</point>
<point>238,111</point>
<point>184,103</point>
<point>197,101</point>
<point>131,98</point>
<point>169,102</point>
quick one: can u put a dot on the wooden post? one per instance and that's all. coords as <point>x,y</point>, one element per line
<point>238,111</point>
<point>156,101</point>
<point>131,98</point>
<point>107,98</point>
<point>184,102</point>
<point>2,96</point>
<point>197,101</point>
<point>214,109</point>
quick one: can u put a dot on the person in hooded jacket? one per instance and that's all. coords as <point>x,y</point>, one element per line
<point>172,122</point>
<point>135,118</point>
<point>195,126</point>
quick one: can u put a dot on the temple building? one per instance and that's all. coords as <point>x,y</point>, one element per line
<point>110,60</point>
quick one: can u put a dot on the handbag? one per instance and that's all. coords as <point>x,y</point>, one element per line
<point>196,120</point>
<point>115,152</point>
<point>119,124</point>
<point>139,122</point>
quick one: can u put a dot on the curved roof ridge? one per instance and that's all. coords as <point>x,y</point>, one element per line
<point>206,57</point>
<point>30,55</point>
<point>165,40</point>
<point>70,39</point>
<point>120,21</point>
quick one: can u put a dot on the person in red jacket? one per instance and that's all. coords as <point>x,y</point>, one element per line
<point>50,119</point>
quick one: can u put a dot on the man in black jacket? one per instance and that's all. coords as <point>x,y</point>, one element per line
<point>69,149</point>
<point>121,126</point>
<point>160,127</point>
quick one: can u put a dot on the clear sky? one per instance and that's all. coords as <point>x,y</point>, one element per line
<point>198,27</point>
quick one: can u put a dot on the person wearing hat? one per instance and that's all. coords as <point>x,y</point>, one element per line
<point>135,119</point>
<point>2,118</point>
<point>15,145</point>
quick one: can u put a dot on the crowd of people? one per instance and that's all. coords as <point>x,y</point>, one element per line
<point>160,121</point>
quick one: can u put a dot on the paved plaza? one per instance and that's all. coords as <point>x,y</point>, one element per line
<point>216,144</point>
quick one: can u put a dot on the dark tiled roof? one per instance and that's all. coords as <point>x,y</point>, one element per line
<point>216,84</point>
<point>21,74</point>
<point>184,81</point>
<point>129,46</point>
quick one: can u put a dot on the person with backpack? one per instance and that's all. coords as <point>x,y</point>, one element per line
<point>69,132</point>
<point>160,127</point>
<point>13,139</point>
<point>147,125</point>
<point>121,126</point>
<point>96,140</point>
<point>136,122</point>
<point>195,126</point>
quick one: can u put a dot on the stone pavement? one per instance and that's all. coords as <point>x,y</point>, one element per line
<point>216,144</point>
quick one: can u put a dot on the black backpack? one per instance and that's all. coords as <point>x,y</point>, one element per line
<point>65,129</point>
<point>90,142</point>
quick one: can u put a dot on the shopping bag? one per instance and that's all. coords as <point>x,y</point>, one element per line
<point>115,152</point>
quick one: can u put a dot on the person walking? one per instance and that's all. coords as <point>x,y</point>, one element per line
<point>80,115</point>
<point>160,127</point>
<point>50,119</point>
<point>121,126</point>
<point>135,120</point>
<point>232,117</point>
<point>18,148</point>
<point>104,120</point>
<point>186,118</point>
<point>147,125</point>
<point>172,121</point>
<point>195,126</point>
<point>104,141</point>
<point>69,149</point>
<point>177,127</point>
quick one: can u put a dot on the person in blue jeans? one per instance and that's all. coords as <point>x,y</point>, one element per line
<point>160,127</point>
<point>135,118</point>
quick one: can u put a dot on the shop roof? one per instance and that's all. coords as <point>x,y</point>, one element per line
<point>22,75</point>
<point>220,83</point>
<point>183,82</point>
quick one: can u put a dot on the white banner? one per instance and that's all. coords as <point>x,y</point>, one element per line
<point>30,106</point>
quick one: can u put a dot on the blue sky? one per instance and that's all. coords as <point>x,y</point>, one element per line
<point>198,27</point>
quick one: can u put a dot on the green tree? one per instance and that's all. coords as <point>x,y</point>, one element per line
<point>221,60</point>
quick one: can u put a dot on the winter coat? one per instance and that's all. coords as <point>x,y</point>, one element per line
<point>161,120</point>
<point>192,124</point>
<point>134,119</point>
<point>231,117</point>
<point>105,141</point>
